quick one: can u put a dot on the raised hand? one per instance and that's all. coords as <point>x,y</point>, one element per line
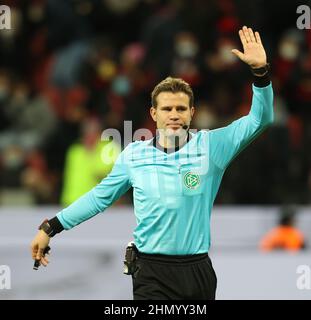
<point>254,53</point>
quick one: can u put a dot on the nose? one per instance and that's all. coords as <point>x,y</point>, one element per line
<point>174,115</point>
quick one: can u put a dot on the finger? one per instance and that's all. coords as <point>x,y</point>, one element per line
<point>242,37</point>
<point>258,39</point>
<point>34,253</point>
<point>246,34</point>
<point>47,257</point>
<point>44,261</point>
<point>39,253</point>
<point>251,35</point>
<point>238,53</point>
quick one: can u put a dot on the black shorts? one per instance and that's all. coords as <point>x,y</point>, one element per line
<point>166,277</point>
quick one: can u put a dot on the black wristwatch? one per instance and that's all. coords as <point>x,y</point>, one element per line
<point>45,226</point>
<point>260,72</point>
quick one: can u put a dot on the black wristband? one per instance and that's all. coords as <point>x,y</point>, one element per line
<point>56,226</point>
<point>263,81</point>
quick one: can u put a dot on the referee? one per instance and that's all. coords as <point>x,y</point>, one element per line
<point>175,178</point>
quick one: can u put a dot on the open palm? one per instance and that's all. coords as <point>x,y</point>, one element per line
<point>254,53</point>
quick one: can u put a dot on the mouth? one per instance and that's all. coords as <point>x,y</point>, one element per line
<point>174,126</point>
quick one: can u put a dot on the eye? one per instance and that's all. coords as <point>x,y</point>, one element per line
<point>166,109</point>
<point>181,109</point>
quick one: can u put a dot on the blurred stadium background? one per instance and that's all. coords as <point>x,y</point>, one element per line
<point>70,69</point>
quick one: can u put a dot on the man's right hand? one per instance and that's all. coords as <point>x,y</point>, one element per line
<point>38,244</point>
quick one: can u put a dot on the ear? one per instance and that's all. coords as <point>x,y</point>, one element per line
<point>192,110</point>
<point>153,113</point>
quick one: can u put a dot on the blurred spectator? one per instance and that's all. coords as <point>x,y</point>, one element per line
<point>37,179</point>
<point>68,65</point>
<point>186,60</point>
<point>87,162</point>
<point>158,33</point>
<point>285,236</point>
<point>205,117</point>
<point>30,116</point>
<point>288,53</point>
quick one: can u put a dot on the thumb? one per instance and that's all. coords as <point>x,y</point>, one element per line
<point>238,53</point>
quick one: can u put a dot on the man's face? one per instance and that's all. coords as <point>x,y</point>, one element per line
<point>172,112</point>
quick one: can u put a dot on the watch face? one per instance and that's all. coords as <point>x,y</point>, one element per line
<point>43,223</point>
<point>46,228</point>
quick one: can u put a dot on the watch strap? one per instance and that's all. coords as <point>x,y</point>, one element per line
<point>47,228</point>
<point>262,71</point>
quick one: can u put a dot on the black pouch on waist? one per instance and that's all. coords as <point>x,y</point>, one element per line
<point>130,259</point>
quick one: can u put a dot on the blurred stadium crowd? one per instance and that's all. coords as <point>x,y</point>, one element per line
<point>69,69</point>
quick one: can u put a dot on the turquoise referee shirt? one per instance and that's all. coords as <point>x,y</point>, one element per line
<point>174,193</point>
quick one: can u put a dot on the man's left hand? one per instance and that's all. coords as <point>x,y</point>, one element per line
<point>254,53</point>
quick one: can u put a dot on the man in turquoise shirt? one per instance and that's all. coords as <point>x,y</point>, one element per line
<point>175,178</point>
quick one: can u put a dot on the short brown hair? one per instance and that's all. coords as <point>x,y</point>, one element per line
<point>172,85</point>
